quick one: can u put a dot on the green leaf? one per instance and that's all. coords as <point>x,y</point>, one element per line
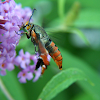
<point>60,82</point>
<point>26,3</point>
<point>80,34</point>
<point>83,96</point>
<point>70,61</point>
<point>88,18</point>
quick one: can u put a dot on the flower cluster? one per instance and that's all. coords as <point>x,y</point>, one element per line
<point>11,18</point>
<point>27,69</point>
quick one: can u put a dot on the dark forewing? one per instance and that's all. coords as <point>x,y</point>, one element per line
<point>40,30</point>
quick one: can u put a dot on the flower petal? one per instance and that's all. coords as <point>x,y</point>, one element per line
<point>10,66</point>
<point>18,60</point>
<point>23,65</point>
<point>21,53</point>
<point>20,74</point>
<point>8,25</point>
<point>27,61</point>
<point>22,79</point>
<point>29,76</point>
<point>49,57</point>
<point>34,58</point>
<point>6,34</point>
<point>37,74</point>
<point>2,72</point>
<point>27,54</point>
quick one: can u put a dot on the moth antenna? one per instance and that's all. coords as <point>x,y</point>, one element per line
<point>32,14</point>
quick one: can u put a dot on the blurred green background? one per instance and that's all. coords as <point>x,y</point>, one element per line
<point>61,18</point>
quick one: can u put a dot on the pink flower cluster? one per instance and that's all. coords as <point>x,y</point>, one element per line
<point>11,18</point>
<point>27,70</point>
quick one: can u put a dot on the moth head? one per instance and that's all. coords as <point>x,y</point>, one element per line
<point>27,25</point>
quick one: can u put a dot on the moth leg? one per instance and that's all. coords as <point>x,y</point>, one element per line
<point>35,50</point>
<point>44,67</point>
<point>28,35</point>
<point>41,63</point>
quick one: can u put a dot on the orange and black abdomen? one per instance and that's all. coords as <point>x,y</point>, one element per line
<point>54,53</point>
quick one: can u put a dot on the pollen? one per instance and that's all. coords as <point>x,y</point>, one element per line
<point>3,65</point>
<point>24,74</point>
<point>22,58</point>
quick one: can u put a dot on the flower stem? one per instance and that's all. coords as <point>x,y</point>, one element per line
<point>61,4</point>
<point>4,90</point>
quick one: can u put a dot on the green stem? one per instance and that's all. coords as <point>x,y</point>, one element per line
<point>61,4</point>
<point>3,88</point>
<point>72,15</point>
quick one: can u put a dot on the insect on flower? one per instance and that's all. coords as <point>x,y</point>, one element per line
<point>45,45</point>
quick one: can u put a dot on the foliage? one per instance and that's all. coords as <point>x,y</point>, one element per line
<point>59,18</point>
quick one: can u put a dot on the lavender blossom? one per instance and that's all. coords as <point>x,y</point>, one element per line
<point>11,18</point>
<point>25,74</point>
<point>37,74</point>
<point>23,59</point>
<point>28,70</point>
